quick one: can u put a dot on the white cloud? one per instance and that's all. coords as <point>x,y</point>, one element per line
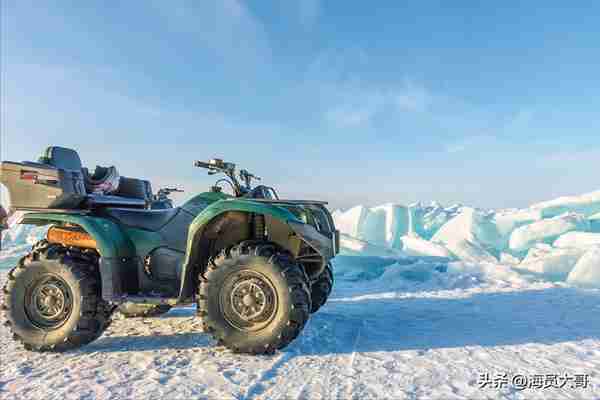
<point>564,158</point>
<point>359,106</point>
<point>226,27</point>
<point>469,142</point>
<point>350,116</point>
<point>520,122</point>
<point>455,147</point>
<point>309,12</point>
<point>101,120</point>
<point>413,98</point>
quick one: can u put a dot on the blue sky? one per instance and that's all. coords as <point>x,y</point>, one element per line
<point>493,104</point>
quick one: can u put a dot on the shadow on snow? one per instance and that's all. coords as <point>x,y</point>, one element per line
<point>546,316</point>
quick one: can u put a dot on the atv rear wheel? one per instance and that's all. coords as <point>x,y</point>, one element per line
<point>132,310</point>
<point>254,298</point>
<point>52,299</point>
<point>320,289</point>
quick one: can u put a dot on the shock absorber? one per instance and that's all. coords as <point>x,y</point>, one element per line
<point>259,226</point>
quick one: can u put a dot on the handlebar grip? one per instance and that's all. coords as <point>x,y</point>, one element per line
<point>202,164</point>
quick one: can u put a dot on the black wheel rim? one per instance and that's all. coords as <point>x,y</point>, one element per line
<point>248,300</point>
<point>49,302</point>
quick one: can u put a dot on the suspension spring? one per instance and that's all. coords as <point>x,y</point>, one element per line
<point>259,226</point>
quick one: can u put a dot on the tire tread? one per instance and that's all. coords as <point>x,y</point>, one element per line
<point>95,313</point>
<point>292,272</point>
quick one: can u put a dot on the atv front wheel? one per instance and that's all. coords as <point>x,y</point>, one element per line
<point>320,289</point>
<point>254,298</point>
<point>132,310</point>
<point>52,299</point>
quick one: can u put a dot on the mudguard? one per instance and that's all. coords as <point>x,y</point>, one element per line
<point>118,259</point>
<point>214,211</point>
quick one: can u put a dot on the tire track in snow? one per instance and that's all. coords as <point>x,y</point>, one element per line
<point>304,374</point>
<point>309,369</point>
<point>257,387</point>
<point>350,368</point>
<point>298,369</point>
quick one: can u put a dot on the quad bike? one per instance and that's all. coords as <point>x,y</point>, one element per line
<point>255,265</point>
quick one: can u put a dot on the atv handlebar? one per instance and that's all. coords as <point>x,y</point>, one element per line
<point>201,164</point>
<point>247,177</point>
<point>217,165</point>
<point>168,191</point>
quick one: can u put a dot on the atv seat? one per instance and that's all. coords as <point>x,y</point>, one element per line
<point>103,200</point>
<point>134,193</point>
<point>150,220</point>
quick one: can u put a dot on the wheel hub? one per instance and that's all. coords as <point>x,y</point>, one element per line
<point>49,302</point>
<point>249,300</point>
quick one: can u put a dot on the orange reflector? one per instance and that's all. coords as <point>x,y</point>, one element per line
<point>70,237</point>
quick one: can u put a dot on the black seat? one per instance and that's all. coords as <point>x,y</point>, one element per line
<point>150,220</point>
<point>103,200</point>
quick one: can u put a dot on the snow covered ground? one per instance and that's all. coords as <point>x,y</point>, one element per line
<point>427,301</point>
<point>374,339</point>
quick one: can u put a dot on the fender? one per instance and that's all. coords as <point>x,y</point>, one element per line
<point>210,214</point>
<point>118,259</point>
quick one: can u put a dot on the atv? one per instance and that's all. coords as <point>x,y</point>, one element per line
<point>255,265</point>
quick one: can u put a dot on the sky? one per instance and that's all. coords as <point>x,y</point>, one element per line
<point>491,104</point>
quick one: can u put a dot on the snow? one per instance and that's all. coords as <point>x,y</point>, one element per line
<point>577,239</point>
<point>595,223</point>
<point>470,225</point>
<point>546,239</point>
<point>546,231</point>
<point>586,272</point>
<point>357,247</point>
<point>428,220</point>
<point>469,236</point>
<point>595,216</point>
<point>507,221</point>
<point>586,204</point>
<point>349,222</point>
<point>551,263</point>
<point>17,241</point>
<point>509,259</point>
<point>383,225</point>
<point>386,224</point>
<point>413,245</point>
<point>391,337</point>
<point>426,299</point>
<point>469,251</point>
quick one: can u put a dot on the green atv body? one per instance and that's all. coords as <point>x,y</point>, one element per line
<point>182,238</point>
<point>255,265</point>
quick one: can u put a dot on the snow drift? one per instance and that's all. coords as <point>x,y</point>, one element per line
<point>555,240</point>
<point>586,205</point>
<point>546,231</point>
